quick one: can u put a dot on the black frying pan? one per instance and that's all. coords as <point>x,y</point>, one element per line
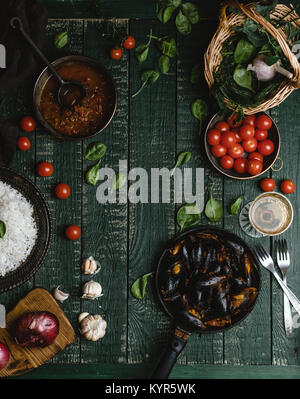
<point>182,330</point>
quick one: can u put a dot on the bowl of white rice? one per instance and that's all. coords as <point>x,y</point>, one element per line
<point>26,217</point>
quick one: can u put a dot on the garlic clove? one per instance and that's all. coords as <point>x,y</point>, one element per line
<point>60,295</point>
<point>90,266</point>
<point>82,316</point>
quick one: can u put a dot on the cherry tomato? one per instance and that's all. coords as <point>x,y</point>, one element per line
<point>214,137</point>
<point>116,53</point>
<point>218,150</point>
<point>250,120</point>
<point>27,124</point>
<point>237,135</point>
<point>246,132</point>
<point>228,139</point>
<point>287,186</point>
<point>263,122</point>
<point>129,42</point>
<point>227,162</point>
<point>261,134</point>
<point>73,232</point>
<point>240,165</point>
<point>45,169</point>
<point>24,143</point>
<point>265,147</point>
<point>222,126</point>
<point>236,151</point>
<point>62,191</point>
<point>267,184</point>
<point>250,145</point>
<point>234,121</point>
<point>254,167</point>
<point>256,155</point>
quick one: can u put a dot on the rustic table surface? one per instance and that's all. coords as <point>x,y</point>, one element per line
<point>149,131</point>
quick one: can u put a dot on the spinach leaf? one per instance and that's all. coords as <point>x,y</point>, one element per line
<point>138,288</point>
<point>196,73</point>
<point>165,9</point>
<point>213,209</point>
<point>61,39</point>
<point>141,51</point>
<point>119,182</point>
<point>190,10</point>
<point>95,151</point>
<point>167,46</point>
<point>164,64</point>
<point>265,10</point>
<point>244,52</point>
<point>148,77</point>
<point>183,158</point>
<point>183,24</point>
<point>91,176</point>
<point>2,229</point>
<point>235,206</point>
<point>188,215</point>
<point>253,33</point>
<point>200,111</point>
<point>243,78</point>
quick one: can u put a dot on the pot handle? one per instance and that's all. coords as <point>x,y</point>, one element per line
<point>175,347</point>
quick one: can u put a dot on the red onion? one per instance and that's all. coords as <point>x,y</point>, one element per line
<point>36,329</point>
<point>4,356</point>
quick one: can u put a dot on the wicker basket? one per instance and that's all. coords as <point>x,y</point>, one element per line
<point>213,55</point>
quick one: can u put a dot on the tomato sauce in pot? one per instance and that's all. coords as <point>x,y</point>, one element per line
<point>94,110</point>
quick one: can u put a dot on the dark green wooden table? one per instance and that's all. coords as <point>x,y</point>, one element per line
<point>149,131</point>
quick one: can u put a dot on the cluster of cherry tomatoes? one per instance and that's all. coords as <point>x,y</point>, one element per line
<point>116,52</point>
<point>45,169</point>
<point>287,186</point>
<point>242,144</point>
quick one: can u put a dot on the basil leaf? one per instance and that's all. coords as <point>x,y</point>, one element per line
<point>2,229</point>
<point>141,51</point>
<point>243,78</point>
<point>165,14</point>
<point>138,288</point>
<point>190,10</point>
<point>213,209</point>
<point>167,46</point>
<point>95,151</point>
<point>200,110</point>
<point>183,24</point>
<point>188,215</point>
<point>196,73</point>
<point>119,182</point>
<point>91,176</point>
<point>148,77</point>
<point>183,158</point>
<point>61,39</point>
<point>235,206</point>
<point>164,64</point>
<point>244,52</point>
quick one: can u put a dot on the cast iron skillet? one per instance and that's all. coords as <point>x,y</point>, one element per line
<point>182,333</point>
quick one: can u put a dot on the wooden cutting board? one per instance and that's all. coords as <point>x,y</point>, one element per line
<point>23,360</point>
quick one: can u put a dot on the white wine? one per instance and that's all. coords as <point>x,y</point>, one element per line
<point>271,213</point>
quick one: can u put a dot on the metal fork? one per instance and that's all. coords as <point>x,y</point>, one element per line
<point>283,261</point>
<point>267,262</point>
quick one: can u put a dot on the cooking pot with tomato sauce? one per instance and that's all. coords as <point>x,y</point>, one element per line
<point>92,114</point>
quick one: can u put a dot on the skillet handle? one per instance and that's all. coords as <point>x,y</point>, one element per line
<point>176,346</point>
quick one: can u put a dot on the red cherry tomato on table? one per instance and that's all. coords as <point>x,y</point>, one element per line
<point>214,137</point>
<point>62,191</point>
<point>27,124</point>
<point>129,42</point>
<point>250,145</point>
<point>227,162</point>
<point>236,151</point>
<point>116,53</point>
<point>256,155</point>
<point>263,122</point>
<point>265,147</point>
<point>240,165</point>
<point>250,120</point>
<point>73,232</point>
<point>287,186</point>
<point>234,121</point>
<point>23,143</point>
<point>228,139</point>
<point>254,167</point>
<point>218,150</point>
<point>45,169</point>
<point>222,126</point>
<point>261,134</point>
<point>267,184</point>
<point>246,132</point>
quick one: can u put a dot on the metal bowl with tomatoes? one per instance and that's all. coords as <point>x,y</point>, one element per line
<point>242,148</point>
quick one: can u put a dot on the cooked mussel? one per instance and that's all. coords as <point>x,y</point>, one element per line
<point>243,299</point>
<point>219,322</point>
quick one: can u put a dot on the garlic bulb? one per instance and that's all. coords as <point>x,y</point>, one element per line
<point>92,327</point>
<point>265,72</point>
<point>59,295</point>
<point>90,266</point>
<point>92,290</point>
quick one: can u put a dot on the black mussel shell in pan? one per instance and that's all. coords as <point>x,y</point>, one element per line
<point>208,281</point>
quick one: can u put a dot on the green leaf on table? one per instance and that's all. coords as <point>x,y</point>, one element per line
<point>61,39</point>
<point>2,229</point>
<point>138,288</point>
<point>167,46</point>
<point>148,77</point>
<point>164,64</point>
<point>190,10</point>
<point>119,182</point>
<point>183,24</point>
<point>95,151</point>
<point>188,215</point>
<point>213,209</point>
<point>141,51</point>
<point>235,206</point>
<point>243,78</point>
<point>92,174</point>
<point>165,9</point>
<point>200,110</point>
<point>183,158</point>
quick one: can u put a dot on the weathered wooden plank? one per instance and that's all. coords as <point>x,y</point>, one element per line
<point>62,266</point>
<point>105,225</point>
